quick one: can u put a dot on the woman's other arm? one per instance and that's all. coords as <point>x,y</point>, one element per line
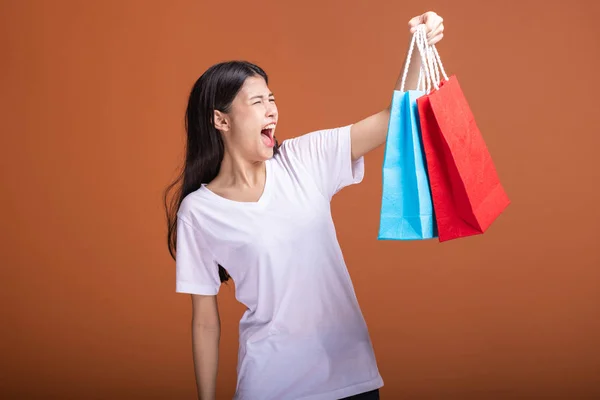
<point>206,332</point>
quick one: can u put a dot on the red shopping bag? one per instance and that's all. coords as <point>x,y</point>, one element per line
<point>466,191</point>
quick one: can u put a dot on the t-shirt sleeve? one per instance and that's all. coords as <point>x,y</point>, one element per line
<point>326,154</point>
<point>197,272</point>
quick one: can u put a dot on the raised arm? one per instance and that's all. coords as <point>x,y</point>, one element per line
<point>371,132</point>
<point>206,332</point>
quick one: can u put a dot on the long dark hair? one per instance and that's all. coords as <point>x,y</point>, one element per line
<point>214,90</point>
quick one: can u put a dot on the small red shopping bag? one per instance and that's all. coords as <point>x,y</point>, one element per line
<point>465,187</point>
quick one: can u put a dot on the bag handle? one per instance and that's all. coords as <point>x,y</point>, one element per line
<point>431,61</point>
<point>415,40</point>
<point>421,42</point>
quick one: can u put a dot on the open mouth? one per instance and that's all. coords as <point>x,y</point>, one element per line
<point>267,134</point>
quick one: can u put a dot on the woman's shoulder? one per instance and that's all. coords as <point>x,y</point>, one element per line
<point>191,205</point>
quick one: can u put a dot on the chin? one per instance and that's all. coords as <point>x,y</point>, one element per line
<point>267,154</point>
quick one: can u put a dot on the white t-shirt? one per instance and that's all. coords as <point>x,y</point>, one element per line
<point>303,335</point>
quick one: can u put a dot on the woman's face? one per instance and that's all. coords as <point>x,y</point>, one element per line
<point>251,121</point>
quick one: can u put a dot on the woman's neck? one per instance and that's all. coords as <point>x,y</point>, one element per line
<point>237,173</point>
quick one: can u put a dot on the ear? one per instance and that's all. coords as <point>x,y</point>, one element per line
<point>221,121</point>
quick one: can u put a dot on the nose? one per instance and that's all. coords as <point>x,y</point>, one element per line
<point>271,110</point>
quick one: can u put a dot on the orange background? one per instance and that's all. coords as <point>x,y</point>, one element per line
<point>92,100</point>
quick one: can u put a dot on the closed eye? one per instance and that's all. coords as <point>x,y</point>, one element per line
<point>259,102</point>
<point>258,98</point>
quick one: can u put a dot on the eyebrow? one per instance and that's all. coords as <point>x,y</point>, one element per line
<point>260,96</point>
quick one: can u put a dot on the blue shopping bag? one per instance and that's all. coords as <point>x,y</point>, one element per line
<point>406,204</point>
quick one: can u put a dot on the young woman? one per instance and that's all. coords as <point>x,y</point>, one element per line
<point>259,213</point>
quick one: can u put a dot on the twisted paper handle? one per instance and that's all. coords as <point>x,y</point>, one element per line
<point>438,61</point>
<point>421,81</point>
<point>421,42</point>
<point>430,59</point>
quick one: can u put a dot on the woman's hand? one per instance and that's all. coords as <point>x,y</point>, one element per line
<point>434,24</point>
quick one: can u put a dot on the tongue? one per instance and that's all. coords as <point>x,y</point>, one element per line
<point>266,138</point>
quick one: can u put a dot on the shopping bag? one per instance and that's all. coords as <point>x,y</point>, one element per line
<point>406,204</point>
<point>466,190</point>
